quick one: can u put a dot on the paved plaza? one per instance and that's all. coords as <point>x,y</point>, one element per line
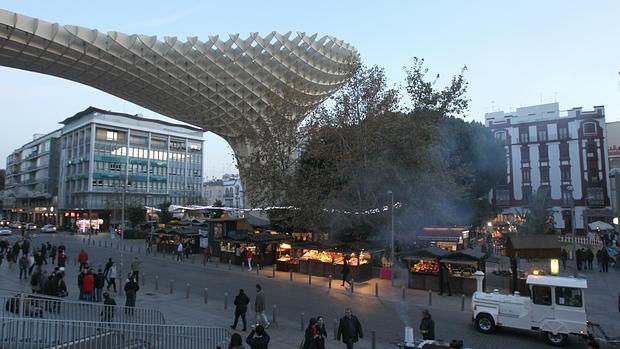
<point>386,315</point>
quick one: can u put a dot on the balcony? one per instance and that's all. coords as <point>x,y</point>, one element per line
<point>595,202</point>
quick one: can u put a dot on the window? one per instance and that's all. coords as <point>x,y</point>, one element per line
<point>563,132</point>
<point>589,128</point>
<point>564,151</point>
<point>527,193</point>
<point>544,174</point>
<point>501,136</point>
<point>525,154</point>
<point>565,173</point>
<point>111,136</point>
<point>566,198</point>
<point>541,295</point>
<point>543,152</point>
<point>524,136</point>
<point>542,134</point>
<point>591,151</point>
<point>526,175</point>
<point>568,297</point>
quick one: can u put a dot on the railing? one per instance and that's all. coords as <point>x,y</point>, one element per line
<point>581,240</point>
<point>41,333</point>
<point>40,306</point>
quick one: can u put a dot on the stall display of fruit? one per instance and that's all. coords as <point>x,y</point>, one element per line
<point>425,267</point>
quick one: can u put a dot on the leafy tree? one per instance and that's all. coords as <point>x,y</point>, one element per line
<point>136,215</point>
<point>217,213</point>
<point>164,215</point>
<point>538,216</point>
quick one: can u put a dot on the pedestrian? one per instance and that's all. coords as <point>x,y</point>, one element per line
<point>345,271</point>
<point>605,260</point>
<point>311,336</point>
<point>88,285</point>
<point>109,304</point>
<point>207,254</point>
<point>44,253</point>
<point>349,329</point>
<point>187,251</point>
<point>2,253</point>
<point>320,326</point>
<point>111,275</point>
<point>258,338</point>
<point>444,278</point>
<point>427,326</point>
<point>564,257</point>
<point>180,251</point>
<point>589,258</point>
<point>135,268</point>
<point>236,342</point>
<point>80,283</point>
<point>241,308</point>
<point>579,258</point>
<point>62,286</point>
<point>83,259</point>
<point>148,244</point>
<point>53,252</point>
<point>259,307</point>
<point>62,259</point>
<point>248,257</point>
<point>107,267</point>
<point>23,267</point>
<point>99,283</point>
<point>131,289</point>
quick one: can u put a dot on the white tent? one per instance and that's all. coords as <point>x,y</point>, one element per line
<point>600,226</point>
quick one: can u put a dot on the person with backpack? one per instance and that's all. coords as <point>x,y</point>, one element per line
<point>258,338</point>
<point>131,289</point>
<point>241,308</point>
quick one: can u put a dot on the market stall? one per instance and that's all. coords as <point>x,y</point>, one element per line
<point>424,268</point>
<point>529,252</point>
<point>452,238</point>
<point>461,266</point>
<point>167,240</point>
<point>264,247</point>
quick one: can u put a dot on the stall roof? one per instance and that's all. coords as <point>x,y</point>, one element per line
<point>533,246</point>
<point>467,254</point>
<point>261,237</point>
<point>426,252</point>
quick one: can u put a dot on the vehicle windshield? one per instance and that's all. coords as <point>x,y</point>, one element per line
<point>568,296</point>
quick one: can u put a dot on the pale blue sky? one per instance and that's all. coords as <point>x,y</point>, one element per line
<point>517,54</point>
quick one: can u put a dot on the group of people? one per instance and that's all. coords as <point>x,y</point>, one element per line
<point>241,308</point>
<point>245,254</point>
<point>585,259</point>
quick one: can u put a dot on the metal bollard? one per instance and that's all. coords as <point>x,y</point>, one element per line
<point>373,340</point>
<point>329,283</point>
<point>404,293</point>
<point>430,297</point>
<point>302,322</point>
<point>309,278</point>
<point>290,272</point>
<point>206,295</point>
<point>229,265</point>
<point>462,302</point>
<point>225,300</point>
<point>273,272</point>
<point>273,314</point>
<point>139,249</point>
<point>171,286</point>
<point>376,289</point>
<point>217,264</point>
<point>352,286</point>
<point>335,329</point>
<point>131,249</point>
<point>187,290</point>
<point>257,269</point>
<point>156,282</point>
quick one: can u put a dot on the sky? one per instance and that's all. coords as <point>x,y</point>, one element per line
<point>517,54</point>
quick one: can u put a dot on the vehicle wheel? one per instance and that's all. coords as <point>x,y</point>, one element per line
<point>485,323</point>
<point>557,340</point>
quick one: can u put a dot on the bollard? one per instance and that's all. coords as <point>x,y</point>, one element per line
<point>376,289</point>
<point>302,322</point>
<point>139,249</point>
<point>404,293</point>
<point>217,264</point>
<point>335,329</point>
<point>156,282</point>
<point>352,286</point>
<point>373,340</point>
<point>257,269</point>
<point>462,302</point>
<point>171,286</point>
<point>309,277</point>
<point>187,290</point>
<point>273,272</point>
<point>225,300</point>
<point>290,272</point>
<point>430,297</point>
<point>131,249</point>
<point>229,265</point>
<point>273,315</point>
<point>142,278</point>
<point>329,283</point>
<point>206,295</point>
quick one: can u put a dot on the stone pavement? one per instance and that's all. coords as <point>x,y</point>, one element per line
<point>386,315</point>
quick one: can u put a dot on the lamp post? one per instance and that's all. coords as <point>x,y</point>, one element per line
<point>391,194</point>
<point>573,224</point>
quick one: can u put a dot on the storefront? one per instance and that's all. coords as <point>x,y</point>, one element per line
<point>461,267</point>
<point>424,268</point>
<point>264,247</point>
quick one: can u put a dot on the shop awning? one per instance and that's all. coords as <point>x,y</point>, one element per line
<point>601,226</point>
<point>538,246</point>
<point>466,255</point>
<point>261,237</point>
<point>427,252</point>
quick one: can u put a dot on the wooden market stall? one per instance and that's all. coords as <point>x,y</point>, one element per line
<point>167,240</point>
<point>264,246</point>
<point>528,252</point>
<point>447,238</point>
<point>424,268</point>
<point>462,265</point>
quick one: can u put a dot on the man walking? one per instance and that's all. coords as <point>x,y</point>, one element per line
<point>564,257</point>
<point>241,308</point>
<point>99,283</point>
<point>135,268</point>
<point>444,277</point>
<point>259,307</point>
<point>108,310</point>
<point>131,289</point>
<point>345,271</point>
<point>23,267</point>
<point>83,259</point>
<point>427,326</point>
<point>590,258</point>
<point>111,275</point>
<point>349,329</point>
<point>180,251</point>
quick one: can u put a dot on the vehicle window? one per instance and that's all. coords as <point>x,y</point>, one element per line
<point>541,295</point>
<point>570,297</point>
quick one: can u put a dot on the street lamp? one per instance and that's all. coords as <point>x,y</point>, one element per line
<point>573,224</point>
<point>391,194</point>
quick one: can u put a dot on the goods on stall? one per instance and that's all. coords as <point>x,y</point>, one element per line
<point>323,256</point>
<point>429,266</point>
<point>284,258</point>
<point>461,270</point>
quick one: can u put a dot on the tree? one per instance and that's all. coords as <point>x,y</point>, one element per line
<point>164,214</point>
<point>135,215</point>
<point>538,216</point>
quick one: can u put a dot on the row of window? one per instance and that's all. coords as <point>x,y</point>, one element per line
<point>589,129</point>
<point>565,174</point>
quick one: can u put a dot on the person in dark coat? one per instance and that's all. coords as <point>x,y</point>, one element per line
<point>427,326</point>
<point>349,329</point>
<point>99,283</point>
<point>241,308</point>
<point>605,260</point>
<point>346,270</point>
<point>579,258</point>
<point>107,314</point>
<point>564,258</point>
<point>589,258</point>
<point>258,338</point>
<point>131,289</point>
<point>320,326</point>
<point>311,336</point>
<point>444,277</point>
